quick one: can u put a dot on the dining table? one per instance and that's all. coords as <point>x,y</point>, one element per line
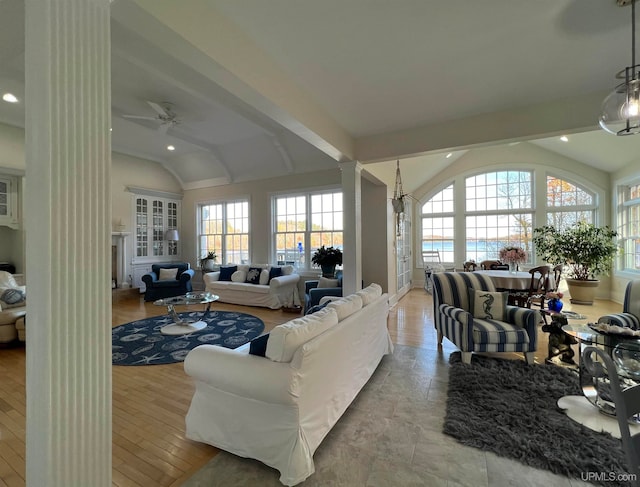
<point>513,282</point>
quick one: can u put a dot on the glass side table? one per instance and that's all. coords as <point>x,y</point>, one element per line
<point>184,326</point>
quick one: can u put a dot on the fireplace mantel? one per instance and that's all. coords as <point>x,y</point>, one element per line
<point>119,240</point>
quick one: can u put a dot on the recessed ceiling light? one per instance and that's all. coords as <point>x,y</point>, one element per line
<point>564,138</point>
<point>10,97</point>
<point>449,155</point>
<point>171,147</point>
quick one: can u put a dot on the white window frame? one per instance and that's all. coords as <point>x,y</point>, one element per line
<point>222,251</point>
<point>628,228</point>
<point>293,256</point>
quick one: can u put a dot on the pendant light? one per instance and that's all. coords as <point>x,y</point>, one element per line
<point>621,109</point>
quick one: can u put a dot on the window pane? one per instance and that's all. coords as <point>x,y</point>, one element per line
<point>500,190</point>
<point>487,234</point>
<point>440,203</point>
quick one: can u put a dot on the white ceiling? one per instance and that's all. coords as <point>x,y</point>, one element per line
<point>323,79</point>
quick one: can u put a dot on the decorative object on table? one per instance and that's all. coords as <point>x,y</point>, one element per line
<point>620,114</point>
<point>510,408</point>
<point>627,358</point>
<point>607,329</point>
<point>141,343</point>
<point>554,302</point>
<point>327,258</point>
<point>208,262</point>
<point>512,256</point>
<point>559,342</point>
<point>587,250</point>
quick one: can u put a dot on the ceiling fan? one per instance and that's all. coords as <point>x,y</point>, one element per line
<point>165,115</point>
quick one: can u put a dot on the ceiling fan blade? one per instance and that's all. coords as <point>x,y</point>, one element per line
<point>158,109</point>
<point>164,128</point>
<point>140,117</point>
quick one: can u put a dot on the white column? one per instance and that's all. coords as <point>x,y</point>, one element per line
<point>352,234</point>
<point>68,222</point>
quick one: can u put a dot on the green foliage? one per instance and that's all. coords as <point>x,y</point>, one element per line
<point>211,255</point>
<point>587,250</point>
<point>327,256</point>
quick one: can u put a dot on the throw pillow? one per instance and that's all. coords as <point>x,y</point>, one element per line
<point>488,305</point>
<point>258,346</point>
<point>325,282</point>
<point>315,308</point>
<point>239,276</point>
<point>285,339</point>
<point>275,272</point>
<point>170,274</point>
<point>13,297</point>
<point>264,277</point>
<point>253,275</point>
<point>226,271</point>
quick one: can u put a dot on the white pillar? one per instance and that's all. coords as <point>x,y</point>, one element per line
<point>352,234</point>
<point>68,233</point>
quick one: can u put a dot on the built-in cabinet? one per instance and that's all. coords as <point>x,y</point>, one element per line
<point>9,210</point>
<point>154,213</point>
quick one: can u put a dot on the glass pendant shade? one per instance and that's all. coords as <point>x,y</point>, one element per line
<point>621,109</point>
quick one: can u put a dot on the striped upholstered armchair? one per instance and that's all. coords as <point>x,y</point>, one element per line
<point>630,316</point>
<point>472,315</point>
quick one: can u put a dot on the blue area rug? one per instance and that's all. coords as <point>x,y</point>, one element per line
<point>141,343</point>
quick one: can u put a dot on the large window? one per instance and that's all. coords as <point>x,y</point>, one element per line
<point>224,229</point>
<point>477,215</point>
<point>629,226</point>
<point>305,222</point>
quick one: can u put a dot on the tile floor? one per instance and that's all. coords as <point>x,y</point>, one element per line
<point>391,436</point>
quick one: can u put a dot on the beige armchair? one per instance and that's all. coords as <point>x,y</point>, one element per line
<point>13,308</point>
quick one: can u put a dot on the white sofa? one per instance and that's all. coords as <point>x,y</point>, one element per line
<point>278,409</point>
<point>275,293</point>
<point>11,316</point>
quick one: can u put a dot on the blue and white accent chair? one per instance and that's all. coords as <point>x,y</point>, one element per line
<point>630,316</point>
<point>454,318</point>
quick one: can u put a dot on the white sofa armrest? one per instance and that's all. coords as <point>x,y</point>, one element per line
<point>239,373</point>
<point>284,280</point>
<point>211,277</point>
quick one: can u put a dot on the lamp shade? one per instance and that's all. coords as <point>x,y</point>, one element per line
<point>172,235</point>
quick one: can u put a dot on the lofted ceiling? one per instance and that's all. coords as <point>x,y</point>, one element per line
<point>265,89</point>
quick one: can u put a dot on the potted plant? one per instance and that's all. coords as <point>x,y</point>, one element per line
<point>587,250</point>
<point>327,258</point>
<point>207,263</point>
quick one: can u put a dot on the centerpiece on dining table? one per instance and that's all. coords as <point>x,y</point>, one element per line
<point>512,256</point>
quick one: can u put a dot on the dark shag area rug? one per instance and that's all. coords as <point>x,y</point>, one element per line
<point>141,343</point>
<point>509,408</point>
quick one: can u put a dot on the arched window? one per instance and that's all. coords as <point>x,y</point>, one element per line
<point>499,208</point>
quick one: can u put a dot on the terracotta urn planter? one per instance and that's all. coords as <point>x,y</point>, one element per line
<point>581,291</point>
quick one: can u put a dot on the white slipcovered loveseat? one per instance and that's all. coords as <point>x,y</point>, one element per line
<point>278,408</point>
<point>271,289</point>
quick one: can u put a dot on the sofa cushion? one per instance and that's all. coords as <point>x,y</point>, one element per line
<point>239,276</point>
<point>13,297</point>
<point>488,305</point>
<point>275,272</point>
<point>346,306</point>
<point>248,288</point>
<point>253,275</point>
<point>286,270</point>
<point>258,346</point>
<point>9,316</point>
<point>370,293</point>
<point>325,282</point>
<point>168,274</point>
<point>226,272</point>
<point>285,339</point>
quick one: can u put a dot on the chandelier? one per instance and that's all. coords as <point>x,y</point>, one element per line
<point>621,109</point>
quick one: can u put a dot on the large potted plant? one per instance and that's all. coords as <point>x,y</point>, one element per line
<point>587,250</point>
<point>327,258</point>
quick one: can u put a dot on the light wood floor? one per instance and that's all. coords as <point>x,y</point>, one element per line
<point>150,402</point>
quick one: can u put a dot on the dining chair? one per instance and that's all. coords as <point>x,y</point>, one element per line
<point>557,275</point>
<point>469,266</point>
<point>538,288</point>
<point>627,404</point>
<point>493,265</point>
<point>430,263</point>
